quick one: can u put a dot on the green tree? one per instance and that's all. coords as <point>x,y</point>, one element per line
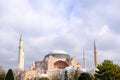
<point>107,71</point>
<point>66,75</point>
<point>86,76</point>
<point>44,78</point>
<point>10,75</point>
<point>56,78</point>
<point>76,75</point>
<point>2,73</point>
<point>71,75</point>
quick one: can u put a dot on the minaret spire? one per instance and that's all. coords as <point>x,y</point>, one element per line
<point>21,55</point>
<point>21,37</point>
<point>84,60</point>
<point>95,55</point>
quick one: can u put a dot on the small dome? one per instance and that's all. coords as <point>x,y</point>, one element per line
<point>83,70</point>
<point>43,75</point>
<point>69,69</point>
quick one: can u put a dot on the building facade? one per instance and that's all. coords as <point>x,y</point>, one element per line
<point>51,65</point>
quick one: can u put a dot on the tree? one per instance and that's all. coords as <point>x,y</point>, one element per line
<point>86,76</point>
<point>66,75</point>
<point>10,75</point>
<point>76,75</point>
<point>2,73</point>
<point>71,74</point>
<point>107,71</point>
<point>44,78</point>
<point>56,77</point>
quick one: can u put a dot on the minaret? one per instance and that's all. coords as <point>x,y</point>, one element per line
<point>84,60</point>
<point>95,55</point>
<point>21,55</point>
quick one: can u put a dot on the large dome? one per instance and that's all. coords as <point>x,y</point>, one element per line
<point>58,54</point>
<point>58,51</point>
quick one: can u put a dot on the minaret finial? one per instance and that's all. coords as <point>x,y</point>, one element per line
<point>95,54</point>
<point>84,59</point>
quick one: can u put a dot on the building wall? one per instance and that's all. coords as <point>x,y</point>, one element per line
<point>52,60</point>
<point>31,74</point>
<point>74,62</point>
<point>48,64</point>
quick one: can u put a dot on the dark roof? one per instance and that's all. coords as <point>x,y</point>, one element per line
<point>59,55</point>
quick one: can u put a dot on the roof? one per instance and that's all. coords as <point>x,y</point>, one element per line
<point>58,51</point>
<point>43,75</point>
<point>69,69</point>
<point>58,54</point>
<point>82,70</point>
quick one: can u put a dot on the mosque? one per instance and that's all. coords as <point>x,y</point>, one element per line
<point>53,64</point>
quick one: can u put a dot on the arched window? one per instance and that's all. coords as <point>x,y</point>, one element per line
<point>60,64</point>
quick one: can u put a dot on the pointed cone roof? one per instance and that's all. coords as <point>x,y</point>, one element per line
<point>95,47</point>
<point>21,37</point>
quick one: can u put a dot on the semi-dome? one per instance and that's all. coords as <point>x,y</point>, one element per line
<point>58,54</point>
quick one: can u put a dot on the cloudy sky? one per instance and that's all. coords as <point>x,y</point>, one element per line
<point>70,25</point>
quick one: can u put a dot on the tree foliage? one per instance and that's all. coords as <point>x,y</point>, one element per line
<point>108,71</point>
<point>10,75</point>
<point>2,73</point>
<point>56,78</point>
<point>44,78</point>
<point>76,75</point>
<point>86,76</point>
<point>66,75</point>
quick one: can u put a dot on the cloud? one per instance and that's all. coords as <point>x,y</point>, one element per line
<point>49,24</point>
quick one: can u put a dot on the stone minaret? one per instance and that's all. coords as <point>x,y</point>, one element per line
<point>21,55</point>
<point>84,60</point>
<point>95,55</point>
